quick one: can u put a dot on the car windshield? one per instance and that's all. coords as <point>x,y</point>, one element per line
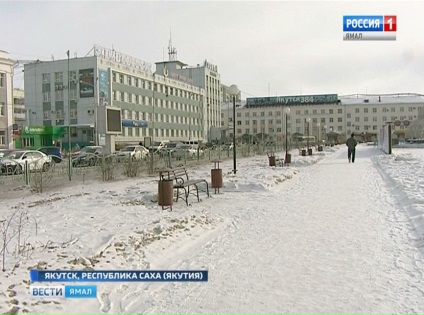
<point>171,145</point>
<point>156,143</point>
<point>128,149</point>
<point>15,155</point>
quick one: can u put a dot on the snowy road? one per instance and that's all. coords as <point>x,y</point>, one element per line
<point>331,240</point>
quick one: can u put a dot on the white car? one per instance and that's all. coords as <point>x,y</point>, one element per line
<point>15,161</point>
<point>136,152</point>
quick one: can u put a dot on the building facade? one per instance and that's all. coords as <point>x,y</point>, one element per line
<point>204,76</point>
<point>6,100</point>
<point>152,105</point>
<point>326,117</point>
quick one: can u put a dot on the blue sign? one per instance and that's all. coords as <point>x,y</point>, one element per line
<point>134,123</point>
<point>363,23</point>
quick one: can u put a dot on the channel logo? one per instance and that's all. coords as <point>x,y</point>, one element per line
<point>369,27</point>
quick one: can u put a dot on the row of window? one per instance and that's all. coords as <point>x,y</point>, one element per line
<point>58,77</point>
<point>322,111</point>
<point>59,95</point>
<point>2,79</point>
<point>322,120</point>
<point>141,132</point>
<point>148,85</point>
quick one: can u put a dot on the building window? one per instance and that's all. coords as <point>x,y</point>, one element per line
<point>2,79</point>
<point>356,119</point>
<point>58,77</point>
<point>374,110</point>
<point>331,119</point>
<point>46,115</point>
<point>357,110</point>
<point>365,110</point>
<point>46,77</point>
<point>348,115</point>
<point>254,114</point>
<point>72,113</point>
<point>28,142</point>
<point>72,94</point>
<point>59,95</point>
<point>322,111</point>
<point>314,112</point>
<point>340,119</point>
<point>365,118</point>
<point>246,114</point>
<point>73,76</point>
<point>2,109</point>
<point>262,114</point>
<point>46,96</point>
<point>374,118</point>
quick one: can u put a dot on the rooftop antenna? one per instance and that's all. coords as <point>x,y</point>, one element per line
<point>172,51</point>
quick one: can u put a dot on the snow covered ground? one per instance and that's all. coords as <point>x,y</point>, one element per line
<point>320,236</point>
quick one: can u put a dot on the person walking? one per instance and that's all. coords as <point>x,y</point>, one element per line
<point>351,147</point>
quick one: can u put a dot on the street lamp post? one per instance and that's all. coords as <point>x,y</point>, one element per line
<point>69,125</point>
<point>233,91</point>
<point>308,120</point>
<point>287,112</point>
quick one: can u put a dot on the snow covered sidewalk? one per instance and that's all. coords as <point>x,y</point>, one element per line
<point>329,241</point>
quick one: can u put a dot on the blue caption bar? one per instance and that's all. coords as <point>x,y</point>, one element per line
<point>64,291</point>
<point>80,291</point>
<point>363,23</point>
<point>119,276</point>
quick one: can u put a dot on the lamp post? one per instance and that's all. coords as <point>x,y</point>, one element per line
<point>308,120</point>
<point>325,130</point>
<point>233,91</point>
<point>287,112</point>
<point>319,132</point>
<point>69,126</point>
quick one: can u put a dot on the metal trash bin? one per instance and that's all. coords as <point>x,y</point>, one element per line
<point>287,159</point>
<point>303,152</point>
<point>310,151</point>
<point>271,158</point>
<point>165,189</point>
<point>216,176</point>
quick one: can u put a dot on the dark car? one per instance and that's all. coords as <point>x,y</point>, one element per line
<point>54,152</point>
<point>88,156</point>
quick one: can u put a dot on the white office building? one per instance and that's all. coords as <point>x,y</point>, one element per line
<point>326,117</point>
<point>152,104</point>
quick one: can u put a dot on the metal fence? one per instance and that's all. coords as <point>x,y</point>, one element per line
<point>112,168</point>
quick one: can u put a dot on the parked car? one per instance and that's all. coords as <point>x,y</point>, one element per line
<point>136,152</point>
<point>4,152</point>
<point>15,161</point>
<point>88,156</point>
<point>169,148</point>
<point>157,146</point>
<point>186,151</point>
<point>54,152</point>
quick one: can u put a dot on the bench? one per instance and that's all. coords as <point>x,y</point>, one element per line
<point>182,184</point>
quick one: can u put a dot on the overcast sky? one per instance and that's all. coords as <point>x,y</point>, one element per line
<point>266,48</point>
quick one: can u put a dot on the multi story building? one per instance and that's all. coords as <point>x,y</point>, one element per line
<point>204,76</point>
<point>322,116</point>
<point>152,104</point>
<point>6,100</point>
<point>19,111</point>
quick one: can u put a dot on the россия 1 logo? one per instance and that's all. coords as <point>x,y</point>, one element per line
<point>369,27</point>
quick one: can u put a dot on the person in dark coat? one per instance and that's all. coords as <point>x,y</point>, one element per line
<point>351,147</point>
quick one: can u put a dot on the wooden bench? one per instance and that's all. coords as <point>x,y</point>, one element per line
<point>182,184</point>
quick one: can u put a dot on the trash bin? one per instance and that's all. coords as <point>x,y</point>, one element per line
<point>271,158</point>
<point>310,151</point>
<point>303,152</point>
<point>216,176</point>
<point>320,148</point>
<point>165,189</point>
<point>287,159</point>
